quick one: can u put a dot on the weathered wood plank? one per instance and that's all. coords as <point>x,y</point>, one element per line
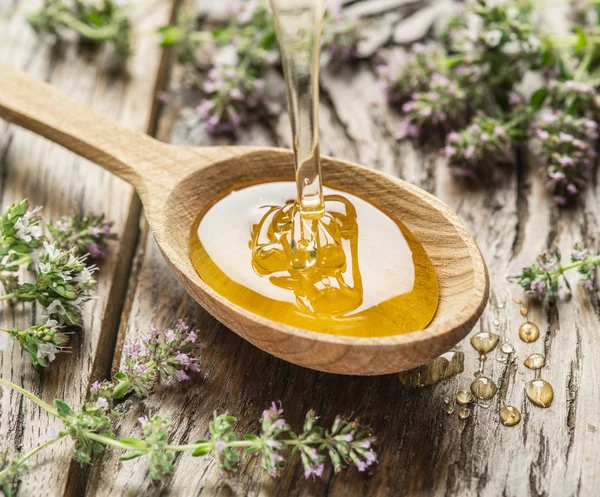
<point>32,167</point>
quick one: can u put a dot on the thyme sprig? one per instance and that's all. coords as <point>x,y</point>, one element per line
<point>92,427</point>
<point>544,276</point>
<point>100,22</point>
<point>235,85</point>
<point>63,280</point>
<point>485,51</point>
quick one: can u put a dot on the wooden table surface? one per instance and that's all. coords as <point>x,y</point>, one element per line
<point>423,450</point>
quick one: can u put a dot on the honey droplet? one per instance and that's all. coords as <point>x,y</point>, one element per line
<point>496,323</point>
<point>510,416</point>
<point>507,348</point>
<point>464,397</point>
<point>524,311</point>
<point>464,412</point>
<point>484,388</point>
<point>529,332</point>
<point>484,342</point>
<point>449,409</point>
<point>540,393</point>
<point>535,361</point>
<point>517,301</point>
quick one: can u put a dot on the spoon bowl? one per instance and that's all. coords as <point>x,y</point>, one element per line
<point>176,183</point>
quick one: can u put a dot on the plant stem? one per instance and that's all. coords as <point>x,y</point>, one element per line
<point>102,34</point>
<point>517,120</point>
<point>243,443</point>
<point>8,296</point>
<point>31,454</point>
<point>38,449</point>
<point>106,440</point>
<point>201,36</point>
<point>589,260</point>
<point>589,54</point>
<point>29,395</point>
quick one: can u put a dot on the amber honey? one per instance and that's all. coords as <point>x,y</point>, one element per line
<point>371,278</point>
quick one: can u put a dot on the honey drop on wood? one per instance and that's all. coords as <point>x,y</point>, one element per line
<point>464,412</point>
<point>510,416</point>
<point>535,361</point>
<point>484,388</point>
<point>540,393</point>
<point>464,397</point>
<point>529,332</point>
<point>484,342</point>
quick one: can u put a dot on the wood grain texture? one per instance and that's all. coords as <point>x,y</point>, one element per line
<point>423,450</point>
<point>47,174</point>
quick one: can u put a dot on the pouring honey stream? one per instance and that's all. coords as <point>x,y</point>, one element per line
<point>306,255</point>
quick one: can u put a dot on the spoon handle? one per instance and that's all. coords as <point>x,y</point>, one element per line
<point>40,108</point>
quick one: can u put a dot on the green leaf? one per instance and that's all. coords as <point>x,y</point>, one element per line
<point>94,18</point>
<point>120,375</point>
<point>582,40</point>
<point>63,409</point>
<point>128,457</point>
<point>21,249</point>
<point>220,35</point>
<point>170,35</point>
<point>453,60</point>
<point>557,253</point>
<point>538,98</point>
<point>7,488</point>
<point>131,441</point>
<point>574,107</point>
<point>269,42</point>
<point>250,437</point>
<point>121,389</point>
<point>201,451</point>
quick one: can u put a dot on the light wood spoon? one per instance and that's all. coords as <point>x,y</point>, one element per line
<point>175,183</point>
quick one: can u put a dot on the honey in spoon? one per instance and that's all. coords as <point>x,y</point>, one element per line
<point>311,257</point>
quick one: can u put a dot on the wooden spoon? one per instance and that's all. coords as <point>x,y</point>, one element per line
<point>175,183</point>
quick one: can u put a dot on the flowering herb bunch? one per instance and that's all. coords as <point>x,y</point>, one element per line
<point>103,21</point>
<point>487,49</point>
<point>439,109</point>
<point>20,236</point>
<point>494,44</point>
<point>486,141</point>
<point>565,144</point>
<point>172,353</point>
<point>545,275</point>
<point>62,282</point>
<point>88,234</point>
<point>411,71</point>
<point>341,35</point>
<point>92,426</point>
<point>235,85</point>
